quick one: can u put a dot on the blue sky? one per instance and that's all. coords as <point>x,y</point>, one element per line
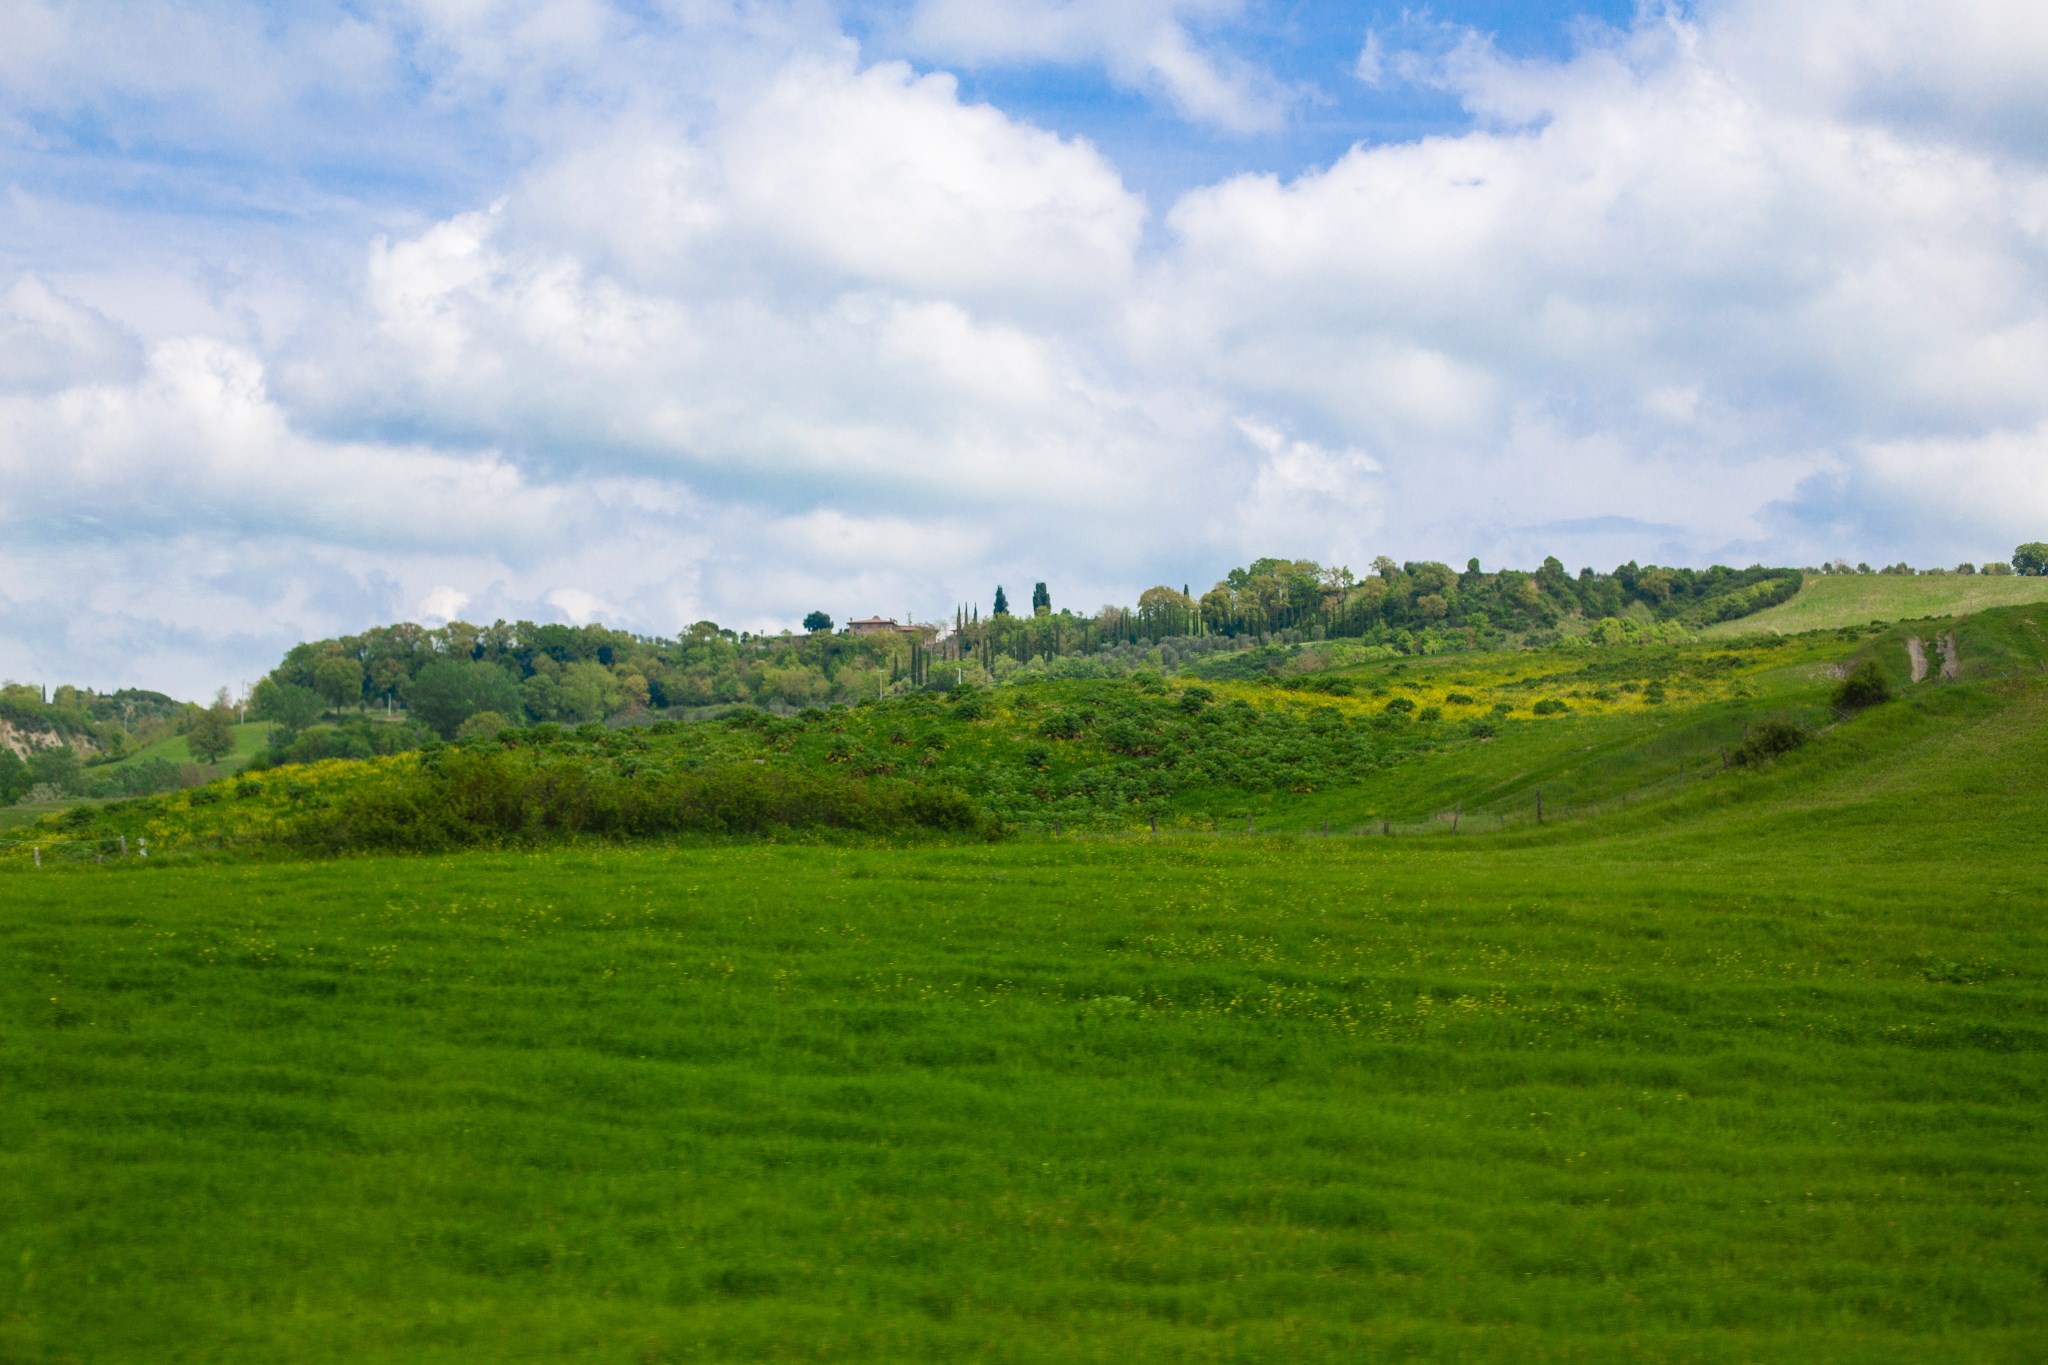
<point>1314,47</point>
<point>323,315</point>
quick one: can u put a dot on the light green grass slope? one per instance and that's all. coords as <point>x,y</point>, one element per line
<point>250,740</point>
<point>1750,1073</point>
<point>1829,601</point>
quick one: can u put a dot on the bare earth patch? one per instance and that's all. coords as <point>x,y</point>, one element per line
<point>1917,652</point>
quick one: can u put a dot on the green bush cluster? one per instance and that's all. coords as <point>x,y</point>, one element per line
<point>59,770</point>
<point>460,797</point>
<point>1865,686</point>
<point>1768,740</point>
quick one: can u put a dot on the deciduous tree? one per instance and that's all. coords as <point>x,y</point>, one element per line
<point>449,691</point>
<point>211,735</point>
<point>339,679</point>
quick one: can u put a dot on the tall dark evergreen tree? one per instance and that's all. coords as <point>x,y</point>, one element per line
<point>1041,600</point>
<point>1002,607</point>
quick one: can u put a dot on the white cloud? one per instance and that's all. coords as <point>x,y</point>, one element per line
<point>1953,490</point>
<point>887,178</point>
<point>196,439</point>
<point>51,342</point>
<point>1305,492</point>
<point>442,604</point>
<point>1649,241</point>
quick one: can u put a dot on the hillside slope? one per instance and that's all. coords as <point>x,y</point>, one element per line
<point>1502,745</point>
<point>1829,601</point>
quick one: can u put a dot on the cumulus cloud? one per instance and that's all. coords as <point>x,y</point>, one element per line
<point>734,321</point>
<point>197,438</point>
<point>1643,240</point>
<point>51,342</point>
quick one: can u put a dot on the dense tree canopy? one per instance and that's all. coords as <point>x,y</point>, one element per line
<point>448,692</point>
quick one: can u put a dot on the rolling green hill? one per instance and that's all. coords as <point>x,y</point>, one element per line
<point>1828,601</point>
<point>1715,1064</point>
<point>250,739</point>
<point>1387,744</point>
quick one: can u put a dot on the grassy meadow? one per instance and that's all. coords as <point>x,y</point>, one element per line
<point>250,739</point>
<point>1748,1067</point>
<point>1828,601</point>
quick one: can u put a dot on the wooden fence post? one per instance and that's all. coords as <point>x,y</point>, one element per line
<point>1539,805</point>
<point>1457,814</point>
<point>1155,824</point>
<point>1248,826</point>
<point>37,850</point>
<point>124,845</point>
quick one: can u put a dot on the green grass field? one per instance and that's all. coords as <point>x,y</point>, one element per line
<point>250,740</point>
<point>1748,1069</point>
<point>1829,601</point>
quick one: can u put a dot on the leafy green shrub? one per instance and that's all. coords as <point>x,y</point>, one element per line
<point>1768,740</point>
<point>483,725</point>
<point>1399,706</point>
<point>460,797</point>
<point>1061,725</point>
<point>1866,685</point>
<point>142,777</point>
<point>1550,706</point>
<point>1654,693</point>
<point>1480,729</point>
<point>1457,699</point>
<point>1128,737</point>
<point>356,737</point>
<point>15,778</point>
<point>1430,713</point>
<point>1195,698</point>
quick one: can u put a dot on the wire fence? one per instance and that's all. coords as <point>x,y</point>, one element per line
<point>84,850</point>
